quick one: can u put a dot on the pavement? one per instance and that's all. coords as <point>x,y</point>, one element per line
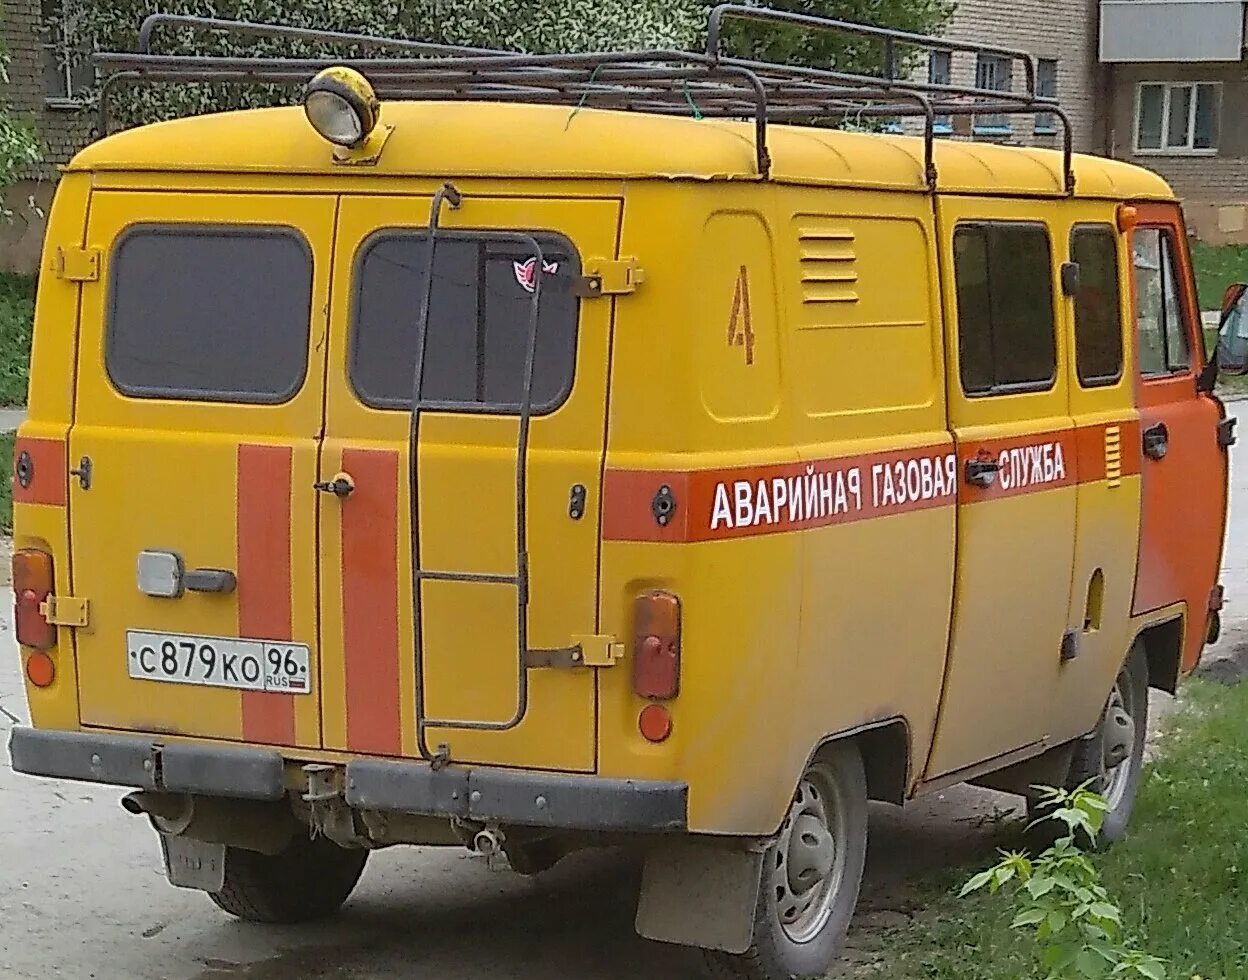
<point>83,896</point>
<point>11,418</point>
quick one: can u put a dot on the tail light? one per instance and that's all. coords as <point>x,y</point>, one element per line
<point>32,584</point>
<point>656,654</point>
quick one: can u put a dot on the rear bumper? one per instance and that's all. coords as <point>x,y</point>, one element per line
<point>479,793</point>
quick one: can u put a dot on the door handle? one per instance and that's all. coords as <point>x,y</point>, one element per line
<point>1156,441</point>
<point>219,580</point>
<point>982,472</point>
<point>340,486</point>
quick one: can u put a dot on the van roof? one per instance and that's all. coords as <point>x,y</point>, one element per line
<point>467,139</point>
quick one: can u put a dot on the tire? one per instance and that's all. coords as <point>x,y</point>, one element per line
<point>804,908</point>
<point>1127,706</point>
<point>308,880</point>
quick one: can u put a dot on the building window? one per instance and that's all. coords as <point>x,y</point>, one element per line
<point>940,72</point>
<point>993,73</point>
<point>1046,88</point>
<point>67,68</point>
<point>1177,118</point>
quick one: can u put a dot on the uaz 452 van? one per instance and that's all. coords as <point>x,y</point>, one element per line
<point>580,449</point>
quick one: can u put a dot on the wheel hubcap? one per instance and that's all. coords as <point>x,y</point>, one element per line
<point>809,858</point>
<point>1117,743</point>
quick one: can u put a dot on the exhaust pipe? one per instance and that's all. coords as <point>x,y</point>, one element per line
<point>173,810</point>
<point>249,824</point>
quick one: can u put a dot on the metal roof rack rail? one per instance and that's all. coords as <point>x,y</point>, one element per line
<point>708,83</point>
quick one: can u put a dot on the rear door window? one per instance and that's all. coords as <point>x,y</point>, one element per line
<point>477,338</point>
<point>209,313</point>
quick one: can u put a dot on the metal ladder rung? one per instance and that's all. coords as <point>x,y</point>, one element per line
<point>484,577</point>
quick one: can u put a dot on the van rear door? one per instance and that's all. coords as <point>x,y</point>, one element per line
<point>406,678</point>
<point>197,420</point>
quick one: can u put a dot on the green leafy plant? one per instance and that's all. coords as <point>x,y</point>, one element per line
<point>1058,897</point>
<point>20,149</point>
<point>538,26</point>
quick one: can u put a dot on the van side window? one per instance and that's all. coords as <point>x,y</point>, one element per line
<point>1006,338</point>
<point>1158,309</point>
<point>1098,306</point>
<point>477,337</point>
<point>209,313</point>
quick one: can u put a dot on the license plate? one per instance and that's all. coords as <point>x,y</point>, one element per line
<point>219,661</point>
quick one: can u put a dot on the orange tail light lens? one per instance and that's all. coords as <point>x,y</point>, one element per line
<point>656,645</point>
<point>40,669</point>
<point>32,583</point>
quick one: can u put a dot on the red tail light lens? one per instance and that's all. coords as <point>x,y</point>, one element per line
<point>32,583</point>
<point>656,645</point>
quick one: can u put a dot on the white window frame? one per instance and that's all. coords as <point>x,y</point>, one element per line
<point>1168,89</point>
<point>994,124</point>
<point>943,125</point>
<point>56,40</point>
<point>1046,122</point>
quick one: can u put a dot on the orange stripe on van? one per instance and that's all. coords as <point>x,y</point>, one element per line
<point>749,501</point>
<point>48,472</point>
<point>370,601</point>
<point>264,585</point>
<point>721,504</point>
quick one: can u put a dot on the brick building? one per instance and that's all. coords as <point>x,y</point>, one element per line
<point>1061,34</point>
<point>43,88</point>
<point>1176,84</point>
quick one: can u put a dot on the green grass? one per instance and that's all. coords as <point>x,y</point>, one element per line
<point>17,307</point>
<point>6,485</point>
<point>1180,875</point>
<point>1216,267</point>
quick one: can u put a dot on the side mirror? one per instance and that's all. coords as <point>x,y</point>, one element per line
<point>1232,351</point>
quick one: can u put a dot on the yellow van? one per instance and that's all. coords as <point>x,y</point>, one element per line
<point>587,449</point>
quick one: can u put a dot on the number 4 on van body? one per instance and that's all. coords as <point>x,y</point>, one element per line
<point>740,326</point>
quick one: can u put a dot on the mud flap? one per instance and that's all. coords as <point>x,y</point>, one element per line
<point>701,893</point>
<point>193,863</point>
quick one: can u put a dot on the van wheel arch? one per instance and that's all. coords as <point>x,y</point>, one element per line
<point>885,750</point>
<point>1163,647</point>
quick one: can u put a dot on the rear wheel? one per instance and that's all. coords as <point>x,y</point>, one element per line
<point>308,879</point>
<point>811,876</point>
<point>1111,759</point>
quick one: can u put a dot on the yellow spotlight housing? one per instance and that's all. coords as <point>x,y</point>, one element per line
<point>341,105</point>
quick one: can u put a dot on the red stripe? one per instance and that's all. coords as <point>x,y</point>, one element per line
<point>370,601</point>
<point>264,585</point>
<point>46,475</point>
<point>748,501</point>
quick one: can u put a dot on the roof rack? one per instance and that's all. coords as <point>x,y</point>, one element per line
<point>708,83</point>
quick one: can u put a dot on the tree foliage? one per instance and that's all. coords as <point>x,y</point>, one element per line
<point>538,26</point>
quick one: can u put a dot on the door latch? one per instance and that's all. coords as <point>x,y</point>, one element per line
<point>1226,432</point>
<point>1156,441</point>
<point>340,486</point>
<point>83,472</point>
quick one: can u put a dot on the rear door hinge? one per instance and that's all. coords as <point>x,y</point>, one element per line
<point>599,651</point>
<point>76,264</point>
<point>611,277</point>
<point>586,651</point>
<point>66,610</point>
